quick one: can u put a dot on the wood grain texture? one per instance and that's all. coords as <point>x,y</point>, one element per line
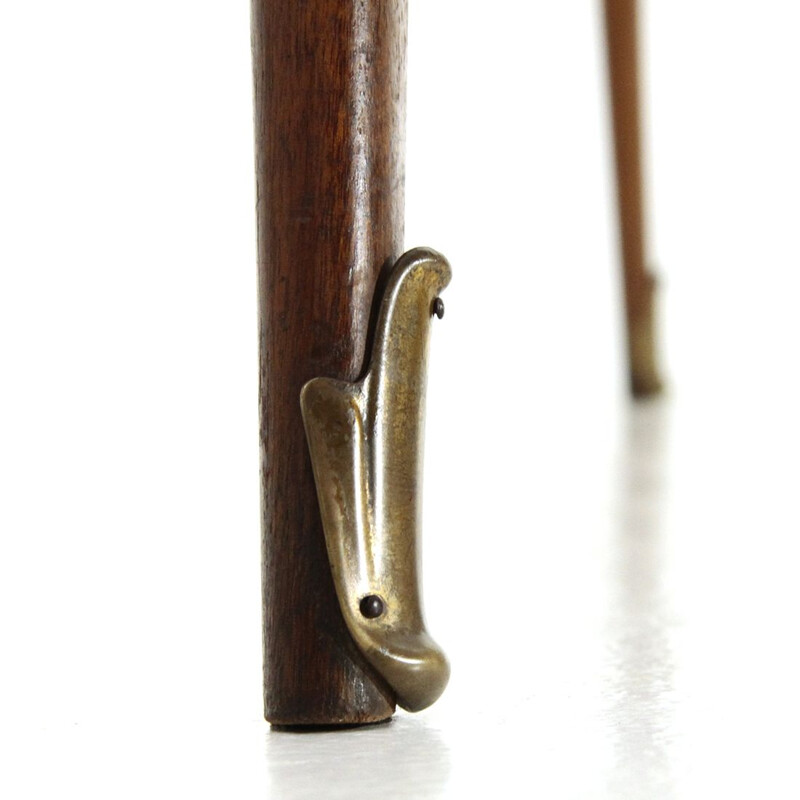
<point>329,116</point>
<point>623,68</point>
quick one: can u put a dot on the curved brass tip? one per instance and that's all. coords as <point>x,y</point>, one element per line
<point>413,665</point>
<point>365,441</point>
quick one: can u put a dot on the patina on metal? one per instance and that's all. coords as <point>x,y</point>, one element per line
<point>365,440</point>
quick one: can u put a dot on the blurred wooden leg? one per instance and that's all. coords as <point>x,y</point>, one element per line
<point>621,33</point>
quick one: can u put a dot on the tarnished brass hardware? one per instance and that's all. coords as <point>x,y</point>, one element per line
<point>365,440</point>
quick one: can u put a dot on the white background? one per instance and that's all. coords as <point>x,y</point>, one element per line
<point>616,587</point>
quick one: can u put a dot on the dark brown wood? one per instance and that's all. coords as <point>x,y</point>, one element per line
<point>623,60</point>
<point>329,103</point>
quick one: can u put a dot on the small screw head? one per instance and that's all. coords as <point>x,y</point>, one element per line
<point>371,606</point>
<point>437,308</point>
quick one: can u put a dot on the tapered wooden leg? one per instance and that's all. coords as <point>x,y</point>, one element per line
<point>621,32</point>
<point>329,113</point>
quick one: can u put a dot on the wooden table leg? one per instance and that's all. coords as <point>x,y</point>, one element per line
<point>621,32</point>
<point>329,107</point>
